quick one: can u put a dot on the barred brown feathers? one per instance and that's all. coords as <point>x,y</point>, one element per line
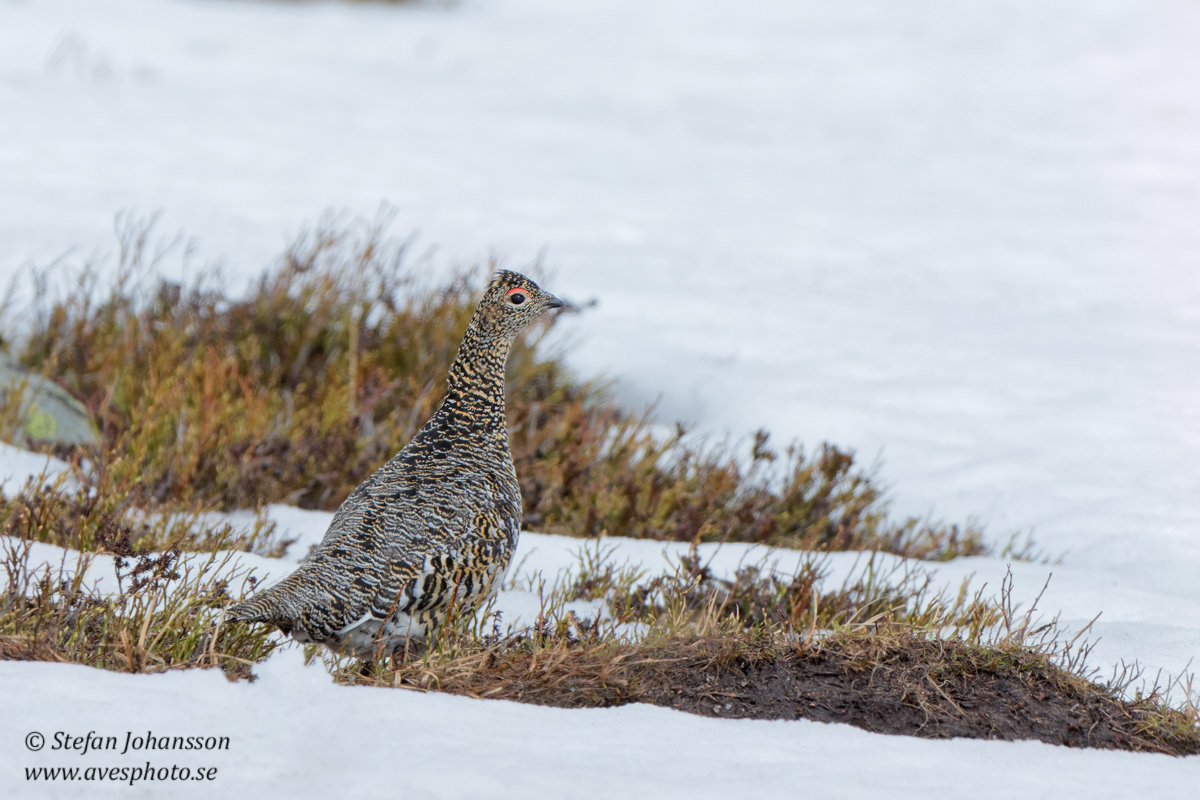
<point>436,525</point>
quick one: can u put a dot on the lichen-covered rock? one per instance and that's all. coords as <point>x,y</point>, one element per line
<point>46,412</point>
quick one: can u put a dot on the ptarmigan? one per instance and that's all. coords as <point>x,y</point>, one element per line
<point>436,525</point>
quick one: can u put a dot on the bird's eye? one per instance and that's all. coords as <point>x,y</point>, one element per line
<point>516,296</point>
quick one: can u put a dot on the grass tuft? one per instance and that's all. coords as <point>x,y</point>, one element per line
<point>104,519</point>
<point>877,590</point>
<point>933,669</point>
<point>165,613</point>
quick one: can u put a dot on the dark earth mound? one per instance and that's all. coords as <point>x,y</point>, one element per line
<point>930,689</point>
<point>886,682</point>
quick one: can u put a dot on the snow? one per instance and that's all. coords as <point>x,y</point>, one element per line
<point>291,730</point>
<point>392,742</point>
<point>18,466</point>
<point>957,237</point>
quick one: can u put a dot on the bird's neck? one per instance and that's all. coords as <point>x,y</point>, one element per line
<point>475,385</point>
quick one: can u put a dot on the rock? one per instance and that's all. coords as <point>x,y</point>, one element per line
<point>48,413</point>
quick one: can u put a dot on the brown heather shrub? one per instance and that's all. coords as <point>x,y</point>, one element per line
<point>161,606</point>
<point>165,613</point>
<point>103,519</point>
<point>758,596</point>
<point>298,390</point>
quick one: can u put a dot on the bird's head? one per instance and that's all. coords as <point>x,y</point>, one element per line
<point>512,301</point>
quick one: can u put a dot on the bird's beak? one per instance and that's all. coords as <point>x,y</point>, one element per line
<point>554,302</point>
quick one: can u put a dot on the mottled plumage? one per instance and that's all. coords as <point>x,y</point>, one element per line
<point>434,526</point>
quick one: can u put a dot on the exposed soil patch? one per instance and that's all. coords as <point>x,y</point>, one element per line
<point>898,684</point>
<point>930,689</point>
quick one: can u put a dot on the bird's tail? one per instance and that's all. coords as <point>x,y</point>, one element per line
<point>263,607</point>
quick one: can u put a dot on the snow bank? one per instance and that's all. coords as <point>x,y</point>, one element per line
<point>293,732</point>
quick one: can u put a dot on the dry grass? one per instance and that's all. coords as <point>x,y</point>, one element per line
<point>896,593</point>
<point>925,669</point>
<point>164,614</point>
<point>298,390</point>
<point>104,518</point>
<point>883,680</point>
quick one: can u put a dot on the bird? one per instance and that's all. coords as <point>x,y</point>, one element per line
<point>435,527</point>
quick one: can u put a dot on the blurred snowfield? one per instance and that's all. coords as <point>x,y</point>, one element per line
<point>959,237</point>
